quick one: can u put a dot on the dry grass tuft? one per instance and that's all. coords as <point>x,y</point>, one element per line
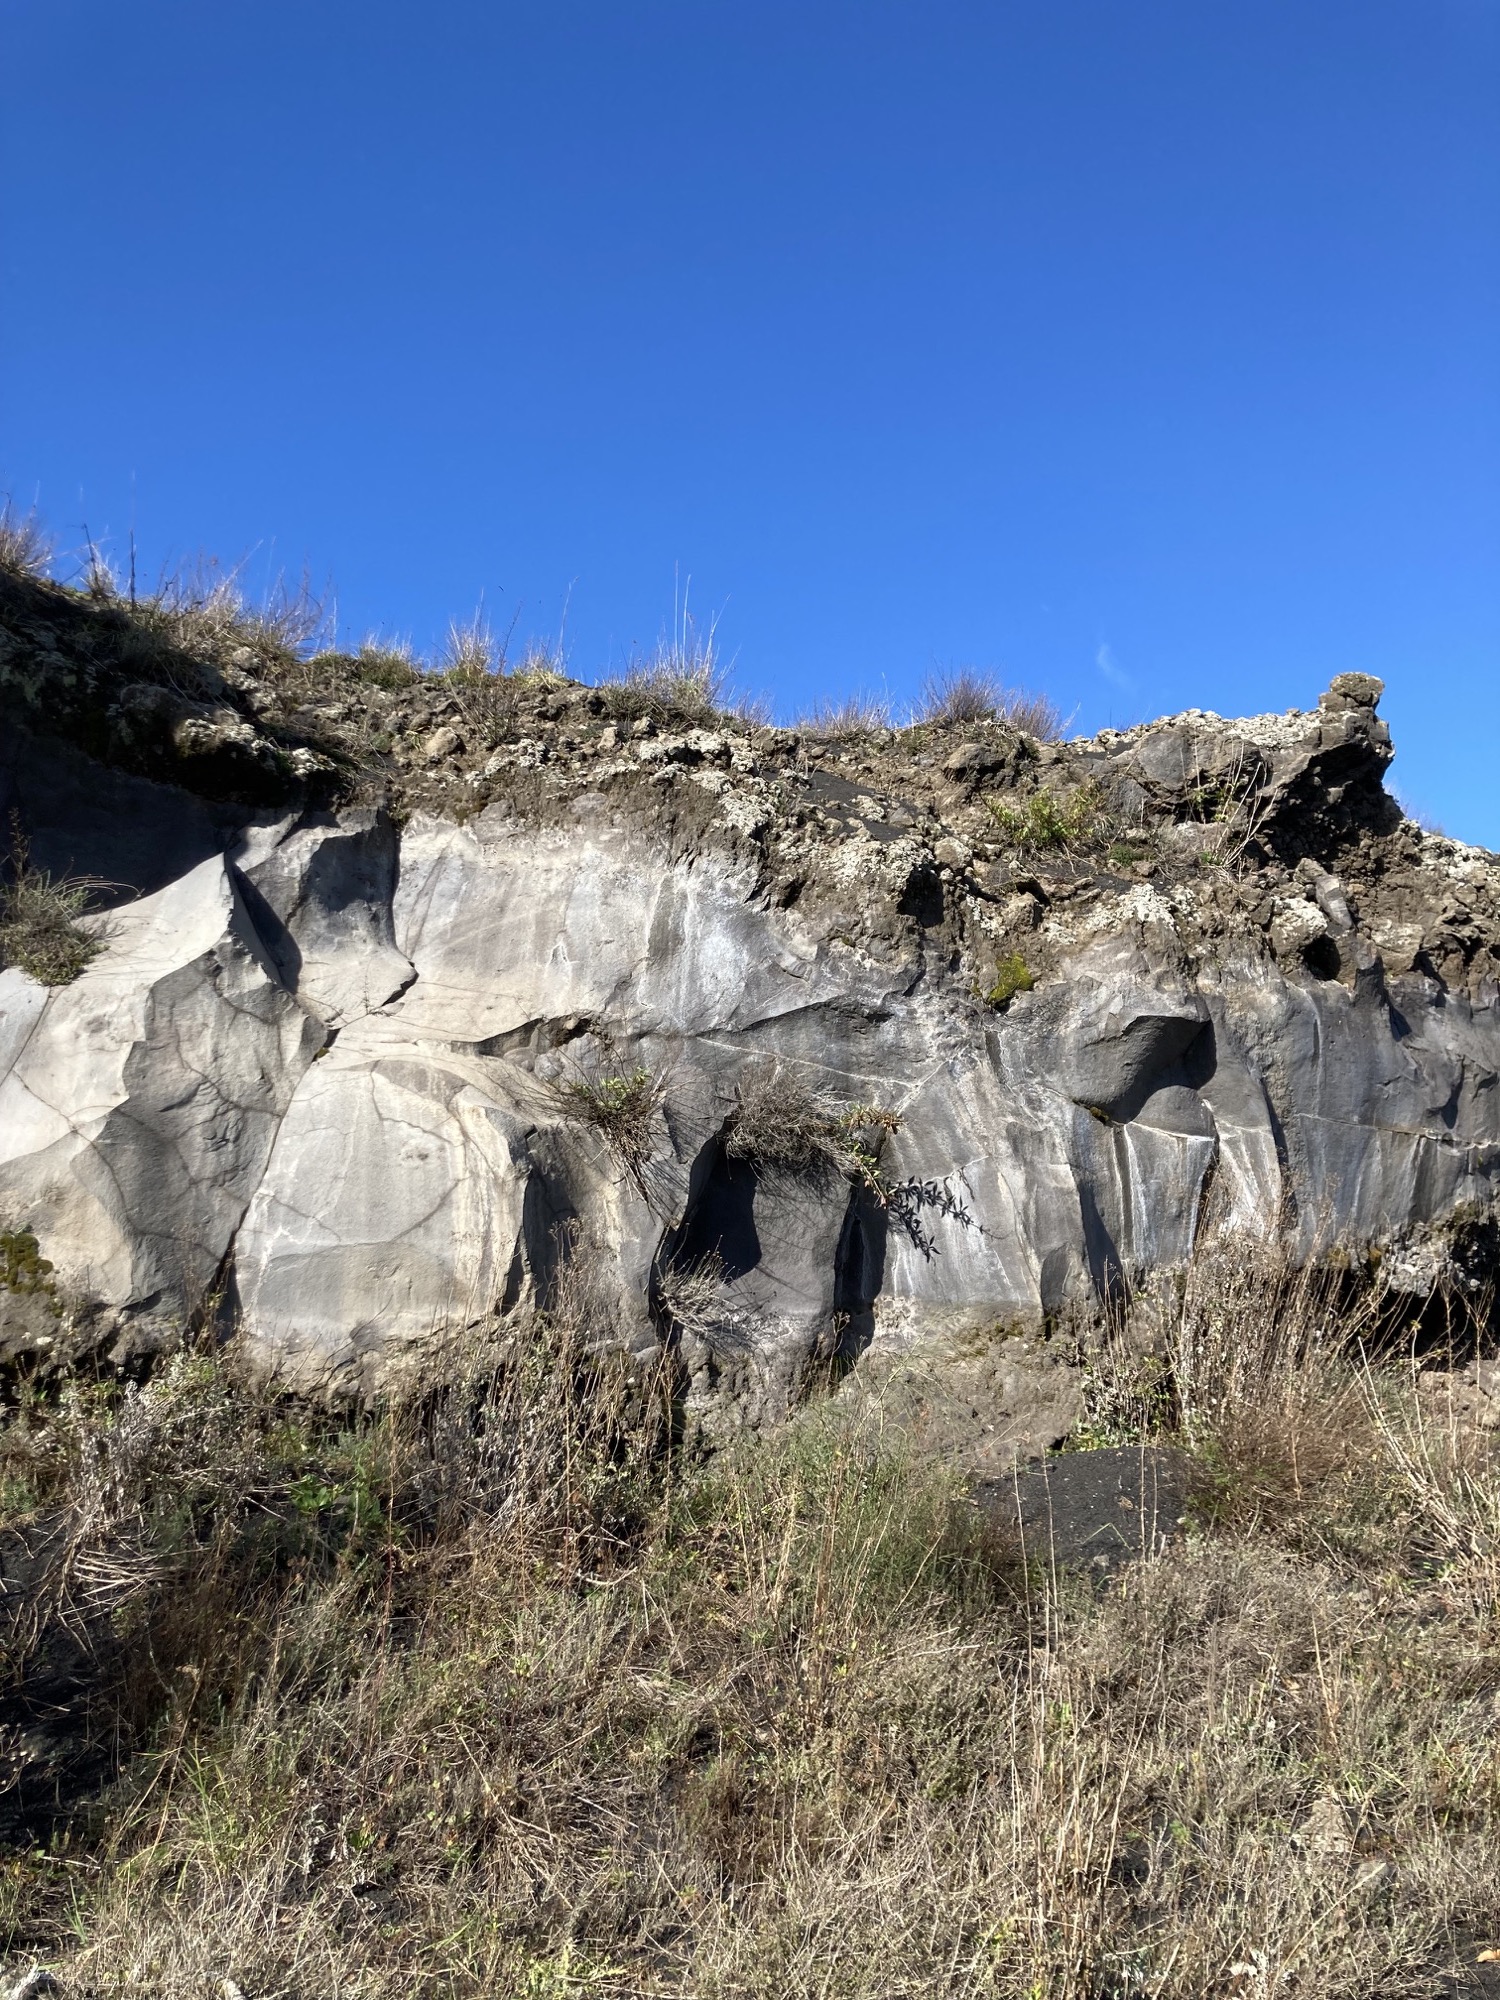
<point>964,695</point>
<point>845,721</point>
<point>782,1127</point>
<point>39,927</point>
<point>789,1133</point>
<point>469,650</point>
<point>26,549</point>
<point>201,617</point>
<point>384,663</point>
<point>684,683</point>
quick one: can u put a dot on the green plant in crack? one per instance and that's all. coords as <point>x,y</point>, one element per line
<point>1045,820</point>
<point>1126,853</point>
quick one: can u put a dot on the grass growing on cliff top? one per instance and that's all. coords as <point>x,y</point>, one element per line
<point>965,695</point>
<point>501,1697</point>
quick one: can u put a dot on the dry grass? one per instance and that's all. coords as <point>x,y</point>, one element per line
<point>469,650</point>
<point>684,683</point>
<point>686,696</point>
<point>790,1133</point>
<point>204,612</point>
<point>964,695</point>
<point>39,927</point>
<point>502,1697</point>
<point>384,663</point>
<point>784,1128</point>
<point>26,549</point>
<point>197,622</point>
<point>845,721</point>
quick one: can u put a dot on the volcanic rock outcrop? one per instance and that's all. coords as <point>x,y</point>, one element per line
<point>412,986</point>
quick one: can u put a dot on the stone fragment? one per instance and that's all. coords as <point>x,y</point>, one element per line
<point>1328,893</point>
<point>972,760</point>
<point>1296,924</point>
<point>320,891</point>
<point>1353,691</point>
<point>443,742</point>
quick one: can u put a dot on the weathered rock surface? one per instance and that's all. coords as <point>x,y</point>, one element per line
<point>339,1067</point>
<point>138,1105</point>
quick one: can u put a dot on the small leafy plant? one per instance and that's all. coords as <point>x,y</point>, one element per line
<point>1046,821</point>
<point>1126,853</point>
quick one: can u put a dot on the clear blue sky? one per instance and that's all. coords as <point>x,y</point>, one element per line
<point>1147,351</point>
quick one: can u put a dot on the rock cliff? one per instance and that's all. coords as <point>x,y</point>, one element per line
<point>798,1045</point>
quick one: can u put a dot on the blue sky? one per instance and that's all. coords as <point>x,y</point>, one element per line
<point>1145,353</point>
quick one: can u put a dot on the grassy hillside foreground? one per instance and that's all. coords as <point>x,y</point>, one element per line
<point>507,1696</point>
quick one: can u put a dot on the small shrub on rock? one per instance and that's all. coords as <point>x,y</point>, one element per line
<point>787,1130</point>
<point>781,1127</point>
<point>621,1108</point>
<point>23,1268</point>
<point>789,1133</point>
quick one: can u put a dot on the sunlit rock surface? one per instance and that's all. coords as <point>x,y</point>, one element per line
<point>326,1077</point>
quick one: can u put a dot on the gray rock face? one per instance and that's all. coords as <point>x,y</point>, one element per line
<point>138,1106</point>
<point>354,1076</point>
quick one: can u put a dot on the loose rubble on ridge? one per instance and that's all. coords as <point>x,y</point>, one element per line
<point>963,848</point>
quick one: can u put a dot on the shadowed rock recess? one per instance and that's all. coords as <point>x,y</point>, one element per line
<point>408,991</point>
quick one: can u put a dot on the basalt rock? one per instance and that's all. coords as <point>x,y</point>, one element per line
<point>344,1073</point>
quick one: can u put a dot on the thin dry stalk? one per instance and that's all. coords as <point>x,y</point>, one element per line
<point>1238,808</point>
